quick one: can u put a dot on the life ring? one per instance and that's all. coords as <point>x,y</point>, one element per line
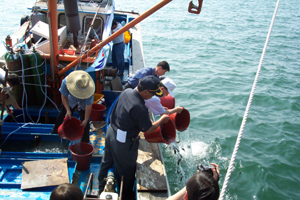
<point>24,19</point>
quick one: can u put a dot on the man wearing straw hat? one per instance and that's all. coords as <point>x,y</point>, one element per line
<point>128,118</point>
<point>77,92</point>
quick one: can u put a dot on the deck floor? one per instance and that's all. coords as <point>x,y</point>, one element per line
<point>150,175</point>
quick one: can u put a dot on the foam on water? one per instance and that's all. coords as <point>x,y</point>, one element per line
<point>199,149</point>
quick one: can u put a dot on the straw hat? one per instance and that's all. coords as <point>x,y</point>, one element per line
<point>80,84</point>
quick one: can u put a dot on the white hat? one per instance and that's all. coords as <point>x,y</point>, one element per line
<point>80,84</point>
<point>169,84</point>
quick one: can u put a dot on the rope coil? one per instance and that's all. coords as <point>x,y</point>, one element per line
<point>238,140</point>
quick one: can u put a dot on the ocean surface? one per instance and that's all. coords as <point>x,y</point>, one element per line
<point>214,58</point>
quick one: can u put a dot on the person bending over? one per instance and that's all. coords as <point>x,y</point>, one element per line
<point>77,93</point>
<point>161,68</point>
<point>154,104</point>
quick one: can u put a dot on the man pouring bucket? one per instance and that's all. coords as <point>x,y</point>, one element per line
<point>77,92</point>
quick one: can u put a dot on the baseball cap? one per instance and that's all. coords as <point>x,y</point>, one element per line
<point>151,83</point>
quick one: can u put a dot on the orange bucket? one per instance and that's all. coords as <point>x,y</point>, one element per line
<point>165,133</point>
<point>182,120</point>
<point>70,129</point>
<point>82,153</point>
<point>168,101</point>
<point>97,112</point>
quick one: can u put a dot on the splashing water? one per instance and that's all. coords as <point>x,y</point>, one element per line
<point>199,149</point>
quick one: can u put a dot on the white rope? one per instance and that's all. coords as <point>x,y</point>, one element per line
<point>12,133</point>
<point>231,167</point>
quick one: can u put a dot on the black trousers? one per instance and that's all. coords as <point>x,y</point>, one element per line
<point>124,156</point>
<point>60,119</point>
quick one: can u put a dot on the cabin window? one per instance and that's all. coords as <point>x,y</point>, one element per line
<point>98,26</point>
<point>62,20</point>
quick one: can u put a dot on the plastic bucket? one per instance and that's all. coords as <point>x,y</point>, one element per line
<point>82,153</point>
<point>182,120</point>
<point>70,129</point>
<point>168,101</point>
<point>165,133</point>
<point>97,112</point>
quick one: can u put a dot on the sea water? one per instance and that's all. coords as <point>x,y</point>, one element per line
<point>214,58</point>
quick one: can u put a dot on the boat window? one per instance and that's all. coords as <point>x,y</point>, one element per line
<point>62,20</point>
<point>102,3</point>
<point>98,26</point>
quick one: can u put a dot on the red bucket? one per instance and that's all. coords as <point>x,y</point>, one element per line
<point>97,112</point>
<point>70,129</point>
<point>165,133</point>
<point>182,120</point>
<point>82,153</point>
<point>168,101</point>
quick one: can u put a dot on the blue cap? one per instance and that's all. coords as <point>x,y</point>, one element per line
<point>151,83</point>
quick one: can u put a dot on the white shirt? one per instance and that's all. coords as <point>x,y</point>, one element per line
<point>155,106</point>
<point>121,37</point>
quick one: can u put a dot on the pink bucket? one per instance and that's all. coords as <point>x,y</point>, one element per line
<point>97,112</point>
<point>182,120</point>
<point>165,133</point>
<point>71,129</point>
<point>168,101</point>
<point>82,153</point>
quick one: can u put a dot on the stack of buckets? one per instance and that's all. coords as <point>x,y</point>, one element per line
<point>166,133</point>
<point>82,152</point>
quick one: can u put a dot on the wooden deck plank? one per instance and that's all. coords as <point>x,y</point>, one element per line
<point>150,172</point>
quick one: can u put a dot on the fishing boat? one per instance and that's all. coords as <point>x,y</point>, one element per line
<point>56,39</point>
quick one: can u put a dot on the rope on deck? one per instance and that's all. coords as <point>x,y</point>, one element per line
<point>231,167</point>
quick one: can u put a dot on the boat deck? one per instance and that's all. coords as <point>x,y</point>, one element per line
<point>150,176</point>
<point>151,182</point>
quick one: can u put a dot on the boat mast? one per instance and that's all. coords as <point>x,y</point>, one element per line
<point>52,17</point>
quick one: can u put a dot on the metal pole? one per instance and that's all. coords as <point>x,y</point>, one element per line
<point>52,16</point>
<point>92,23</point>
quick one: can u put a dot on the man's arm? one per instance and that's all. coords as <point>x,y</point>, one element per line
<point>174,110</point>
<point>162,120</point>
<point>179,195</point>
<point>65,102</point>
<point>87,113</point>
<point>14,102</point>
<point>16,106</point>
